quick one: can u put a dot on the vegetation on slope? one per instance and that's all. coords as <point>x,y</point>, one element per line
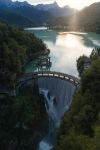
<point>13,18</point>
<point>87,20</point>
<point>25,16</point>
<point>23,118</point>
<point>17,47</point>
<point>80,129</point>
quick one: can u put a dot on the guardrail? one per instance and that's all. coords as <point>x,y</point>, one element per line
<point>63,76</point>
<point>30,76</point>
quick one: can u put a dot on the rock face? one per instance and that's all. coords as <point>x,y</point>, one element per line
<point>56,10</point>
<point>47,6</point>
<point>11,4</point>
<point>53,8</point>
<point>5,3</point>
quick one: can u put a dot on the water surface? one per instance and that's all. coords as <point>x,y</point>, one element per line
<point>66,47</point>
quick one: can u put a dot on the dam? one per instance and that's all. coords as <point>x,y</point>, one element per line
<point>58,89</point>
<point>59,92</point>
<point>58,97</point>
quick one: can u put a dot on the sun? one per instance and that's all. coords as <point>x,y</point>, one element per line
<point>78,4</point>
<point>72,3</point>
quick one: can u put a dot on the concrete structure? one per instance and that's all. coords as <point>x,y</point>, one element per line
<point>53,74</point>
<point>28,77</point>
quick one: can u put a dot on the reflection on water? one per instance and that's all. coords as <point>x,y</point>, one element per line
<point>66,47</point>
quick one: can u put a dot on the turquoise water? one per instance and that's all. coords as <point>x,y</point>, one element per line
<point>65,48</point>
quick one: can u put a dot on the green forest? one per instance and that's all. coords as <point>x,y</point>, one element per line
<point>24,121</point>
<point>80,127</point>
<point>17,48</point>
<point>20,115</point>
<point>20,118</point>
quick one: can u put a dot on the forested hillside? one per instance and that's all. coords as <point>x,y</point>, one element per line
<point>23,14</point>
<point>17,47</point>
<point>15,19</point>
<point>23,117</point>
<point>80,129</point>
<point>87,19</point>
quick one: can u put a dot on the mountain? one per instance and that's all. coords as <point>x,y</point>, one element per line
<point>10,4</point>
<point>18,4</point>
<point>35,15</point>
<point>23,14</point>
<point>56,10</point>
<point>89,18</point>
<point>47,7</point>
<point>13,18</point>
<point>5,3</point>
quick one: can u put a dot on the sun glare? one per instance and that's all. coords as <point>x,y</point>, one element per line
<point>78,4</point>
<point>72,3</point>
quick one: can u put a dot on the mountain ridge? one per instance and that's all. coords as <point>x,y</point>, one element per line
<point>14,12</point>
<point>52,8</point>
<point>56,10</point>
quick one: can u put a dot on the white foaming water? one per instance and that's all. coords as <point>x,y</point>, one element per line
<point>49,104</point>
<point>58,97</point>
<point>44,146</point>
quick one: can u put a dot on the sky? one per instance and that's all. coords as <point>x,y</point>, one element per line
<point>78,4</point>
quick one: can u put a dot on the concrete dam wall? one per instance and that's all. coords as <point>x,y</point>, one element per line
<point>60,91</point>
<point>58,95</point>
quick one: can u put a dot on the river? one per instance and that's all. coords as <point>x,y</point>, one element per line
<point>65,48</point>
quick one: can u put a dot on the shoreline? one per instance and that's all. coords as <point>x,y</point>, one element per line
<point>65,29</point>
<point>38,55</point>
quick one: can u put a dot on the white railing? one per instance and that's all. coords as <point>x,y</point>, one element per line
<point>30,76</point>
<point>60,75</point>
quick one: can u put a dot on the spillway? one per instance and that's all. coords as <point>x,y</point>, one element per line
<point>58,97</point>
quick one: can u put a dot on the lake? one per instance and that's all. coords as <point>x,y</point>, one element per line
<point>65,48</point>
